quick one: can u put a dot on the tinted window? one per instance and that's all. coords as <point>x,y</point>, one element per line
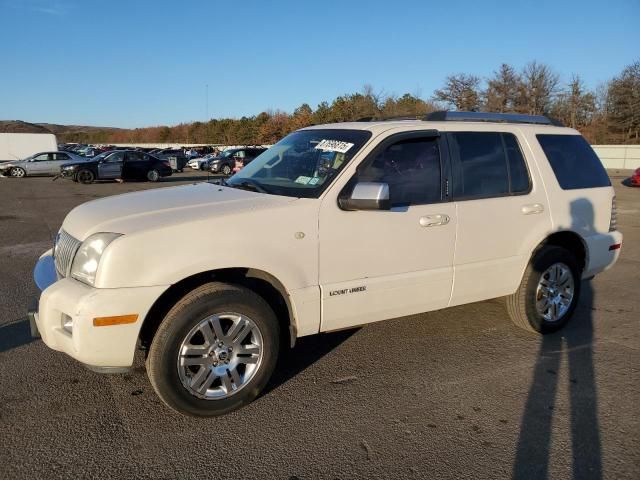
<point>518,174</point>
<point>487,164</point>
<point>411,168</point>
<point>134,157</point>
<point>573,161</point>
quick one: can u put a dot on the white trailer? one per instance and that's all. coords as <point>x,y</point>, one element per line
<point>17,146</point>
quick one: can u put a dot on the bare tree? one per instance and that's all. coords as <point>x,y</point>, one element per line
<point>538,86</point>
<point>502,90</point>
<point>575,106</point>
<point>624,103</point>
<point>460,91</point>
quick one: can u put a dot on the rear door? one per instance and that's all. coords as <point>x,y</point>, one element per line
<point>111,166</point>
<point>502,212</point>
<point>59,159</point>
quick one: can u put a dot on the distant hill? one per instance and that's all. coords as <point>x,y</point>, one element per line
<point>18,126</point>
<point>65,133</point>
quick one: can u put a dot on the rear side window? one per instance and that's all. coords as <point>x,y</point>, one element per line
<point>487,164</point>
<point>574,162</point>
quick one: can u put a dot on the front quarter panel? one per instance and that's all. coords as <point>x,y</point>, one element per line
<point>280,240</point>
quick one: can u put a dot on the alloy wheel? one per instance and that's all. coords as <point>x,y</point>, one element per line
<point>555,292</point>
<point>220,356</point>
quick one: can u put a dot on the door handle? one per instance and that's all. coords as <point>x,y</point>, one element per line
<point>434,220</point>
<point>532,208</point>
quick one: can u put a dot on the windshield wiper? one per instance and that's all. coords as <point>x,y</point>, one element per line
<point>248,184</point>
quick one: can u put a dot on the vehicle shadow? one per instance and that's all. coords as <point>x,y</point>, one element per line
<point>307,351</point>
<point>15,334</point>
<point>575,342</point>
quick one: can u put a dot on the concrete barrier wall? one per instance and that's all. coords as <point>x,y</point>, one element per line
<point>619,156</point>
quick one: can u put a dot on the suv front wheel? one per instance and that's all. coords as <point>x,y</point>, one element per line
<point>215,350</point>
<point>548,293</point>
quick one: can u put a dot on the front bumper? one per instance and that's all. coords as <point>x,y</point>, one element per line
<point>104,348</point>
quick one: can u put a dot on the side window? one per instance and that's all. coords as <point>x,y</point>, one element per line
<point>134,157</point>
<point>60,156</point>
<point>487,164</point>
<point>412,170</point>
<point>41,158</point>
<point>518,173</point>
<point>573,161</point>
<point>114,157</point>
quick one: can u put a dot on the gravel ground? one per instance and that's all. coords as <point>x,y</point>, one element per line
<point>458,393</point>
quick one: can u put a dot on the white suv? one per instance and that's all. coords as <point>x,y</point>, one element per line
<point>334,226</point>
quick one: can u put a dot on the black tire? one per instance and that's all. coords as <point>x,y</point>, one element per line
<point>226,170</point>
<point>522,304</point>
<point>85,176</point>
<point>211,298</point>
<point>153,175</point>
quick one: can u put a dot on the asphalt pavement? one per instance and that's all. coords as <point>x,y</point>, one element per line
<point>458,393</point>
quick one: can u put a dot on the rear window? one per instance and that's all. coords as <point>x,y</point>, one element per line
<point>574,162</point>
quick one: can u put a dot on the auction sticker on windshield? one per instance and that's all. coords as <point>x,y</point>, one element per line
<point>334,146</point>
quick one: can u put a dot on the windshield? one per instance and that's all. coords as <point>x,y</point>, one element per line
<point>303,163</point>
<point>226,153</point>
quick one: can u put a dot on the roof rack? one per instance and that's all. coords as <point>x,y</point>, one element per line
<point>444,116</point>
<point>389,119</point>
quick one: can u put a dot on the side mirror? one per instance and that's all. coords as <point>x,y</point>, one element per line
<point>367,196</point>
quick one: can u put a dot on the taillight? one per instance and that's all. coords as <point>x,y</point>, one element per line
<point>613,223</point>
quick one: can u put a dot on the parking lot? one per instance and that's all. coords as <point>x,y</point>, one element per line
<point>458,393</point>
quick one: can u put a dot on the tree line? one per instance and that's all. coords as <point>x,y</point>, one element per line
<point>608,114</point>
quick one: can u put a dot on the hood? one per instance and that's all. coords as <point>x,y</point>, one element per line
<point>161,207</point>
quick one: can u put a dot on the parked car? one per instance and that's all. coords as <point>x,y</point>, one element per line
<point>321,233</point>
<point>205,162</point>
<point>40,164</point>
<point>227,160</point>
<point>124,164</point>
<point>635,178</point>
<point>176,158</point>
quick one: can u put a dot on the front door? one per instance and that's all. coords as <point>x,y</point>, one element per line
<point>111,166</point>
<point>40,164</point>
<point>381,264</point>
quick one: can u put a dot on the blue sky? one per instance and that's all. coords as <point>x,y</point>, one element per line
<point>134,63</point>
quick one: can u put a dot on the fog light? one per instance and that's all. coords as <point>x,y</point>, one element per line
<point>67,323</point>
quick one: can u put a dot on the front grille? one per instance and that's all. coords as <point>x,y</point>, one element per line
<point>64,250</point>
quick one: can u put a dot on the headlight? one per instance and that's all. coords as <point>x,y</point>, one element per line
<point>87,259</point>
<point>215,161</point>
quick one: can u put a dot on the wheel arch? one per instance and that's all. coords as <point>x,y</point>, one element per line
<point>569,240</point>
<point>259,281</point>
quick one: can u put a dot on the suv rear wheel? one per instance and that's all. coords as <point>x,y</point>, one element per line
<point>548,293</point>
<point>215,350</point>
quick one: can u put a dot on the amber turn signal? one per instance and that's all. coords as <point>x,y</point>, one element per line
<point>117,320</point>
